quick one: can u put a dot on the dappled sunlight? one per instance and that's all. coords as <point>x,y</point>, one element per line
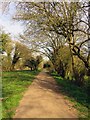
<point>52,38</point>
<point>43,99</point>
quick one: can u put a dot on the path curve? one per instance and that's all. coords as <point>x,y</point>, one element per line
<point>43,99</point>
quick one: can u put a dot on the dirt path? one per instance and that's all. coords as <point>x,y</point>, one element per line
<point>44,100</point>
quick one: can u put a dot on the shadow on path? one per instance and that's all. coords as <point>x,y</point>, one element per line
<point>43,99</point>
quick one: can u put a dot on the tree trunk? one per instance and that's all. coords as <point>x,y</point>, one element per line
<point>79,77</point>
<point>88,72</point>
<point>88,59</point>
<point>60,69</point>
<point>72,60</point>
<point>31,68</point>
<point>12,67</point>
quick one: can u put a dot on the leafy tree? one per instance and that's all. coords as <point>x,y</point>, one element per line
<point>63,18</point>
<point>30,63</point>
<point>38,60</point>
<point>33,63</point>
<point>21,52</point>
<point>12,52</point>
<point>6,51</point>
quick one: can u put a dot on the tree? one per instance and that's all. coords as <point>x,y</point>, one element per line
<point>33,63</point>
<point>30,63</point>
<point>15,57</point>
<point>21,52</point>
<point>38,61</point>
<point>12,52</point>
<point>6,51</point>
<point>63,18</point>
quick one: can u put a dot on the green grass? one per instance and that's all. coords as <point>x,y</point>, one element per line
<point>77,95</point>
<point>14,85</point>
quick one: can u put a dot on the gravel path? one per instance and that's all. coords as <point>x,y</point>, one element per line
<point>43,99</point>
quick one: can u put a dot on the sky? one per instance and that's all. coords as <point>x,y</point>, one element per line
<point>11,26</point>
<point>8,24</point>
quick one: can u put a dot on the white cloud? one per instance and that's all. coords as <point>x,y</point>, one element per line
<point>10,26</point>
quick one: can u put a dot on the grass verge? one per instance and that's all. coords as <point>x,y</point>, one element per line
<point>14,84</point>
<point>77,95</point>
